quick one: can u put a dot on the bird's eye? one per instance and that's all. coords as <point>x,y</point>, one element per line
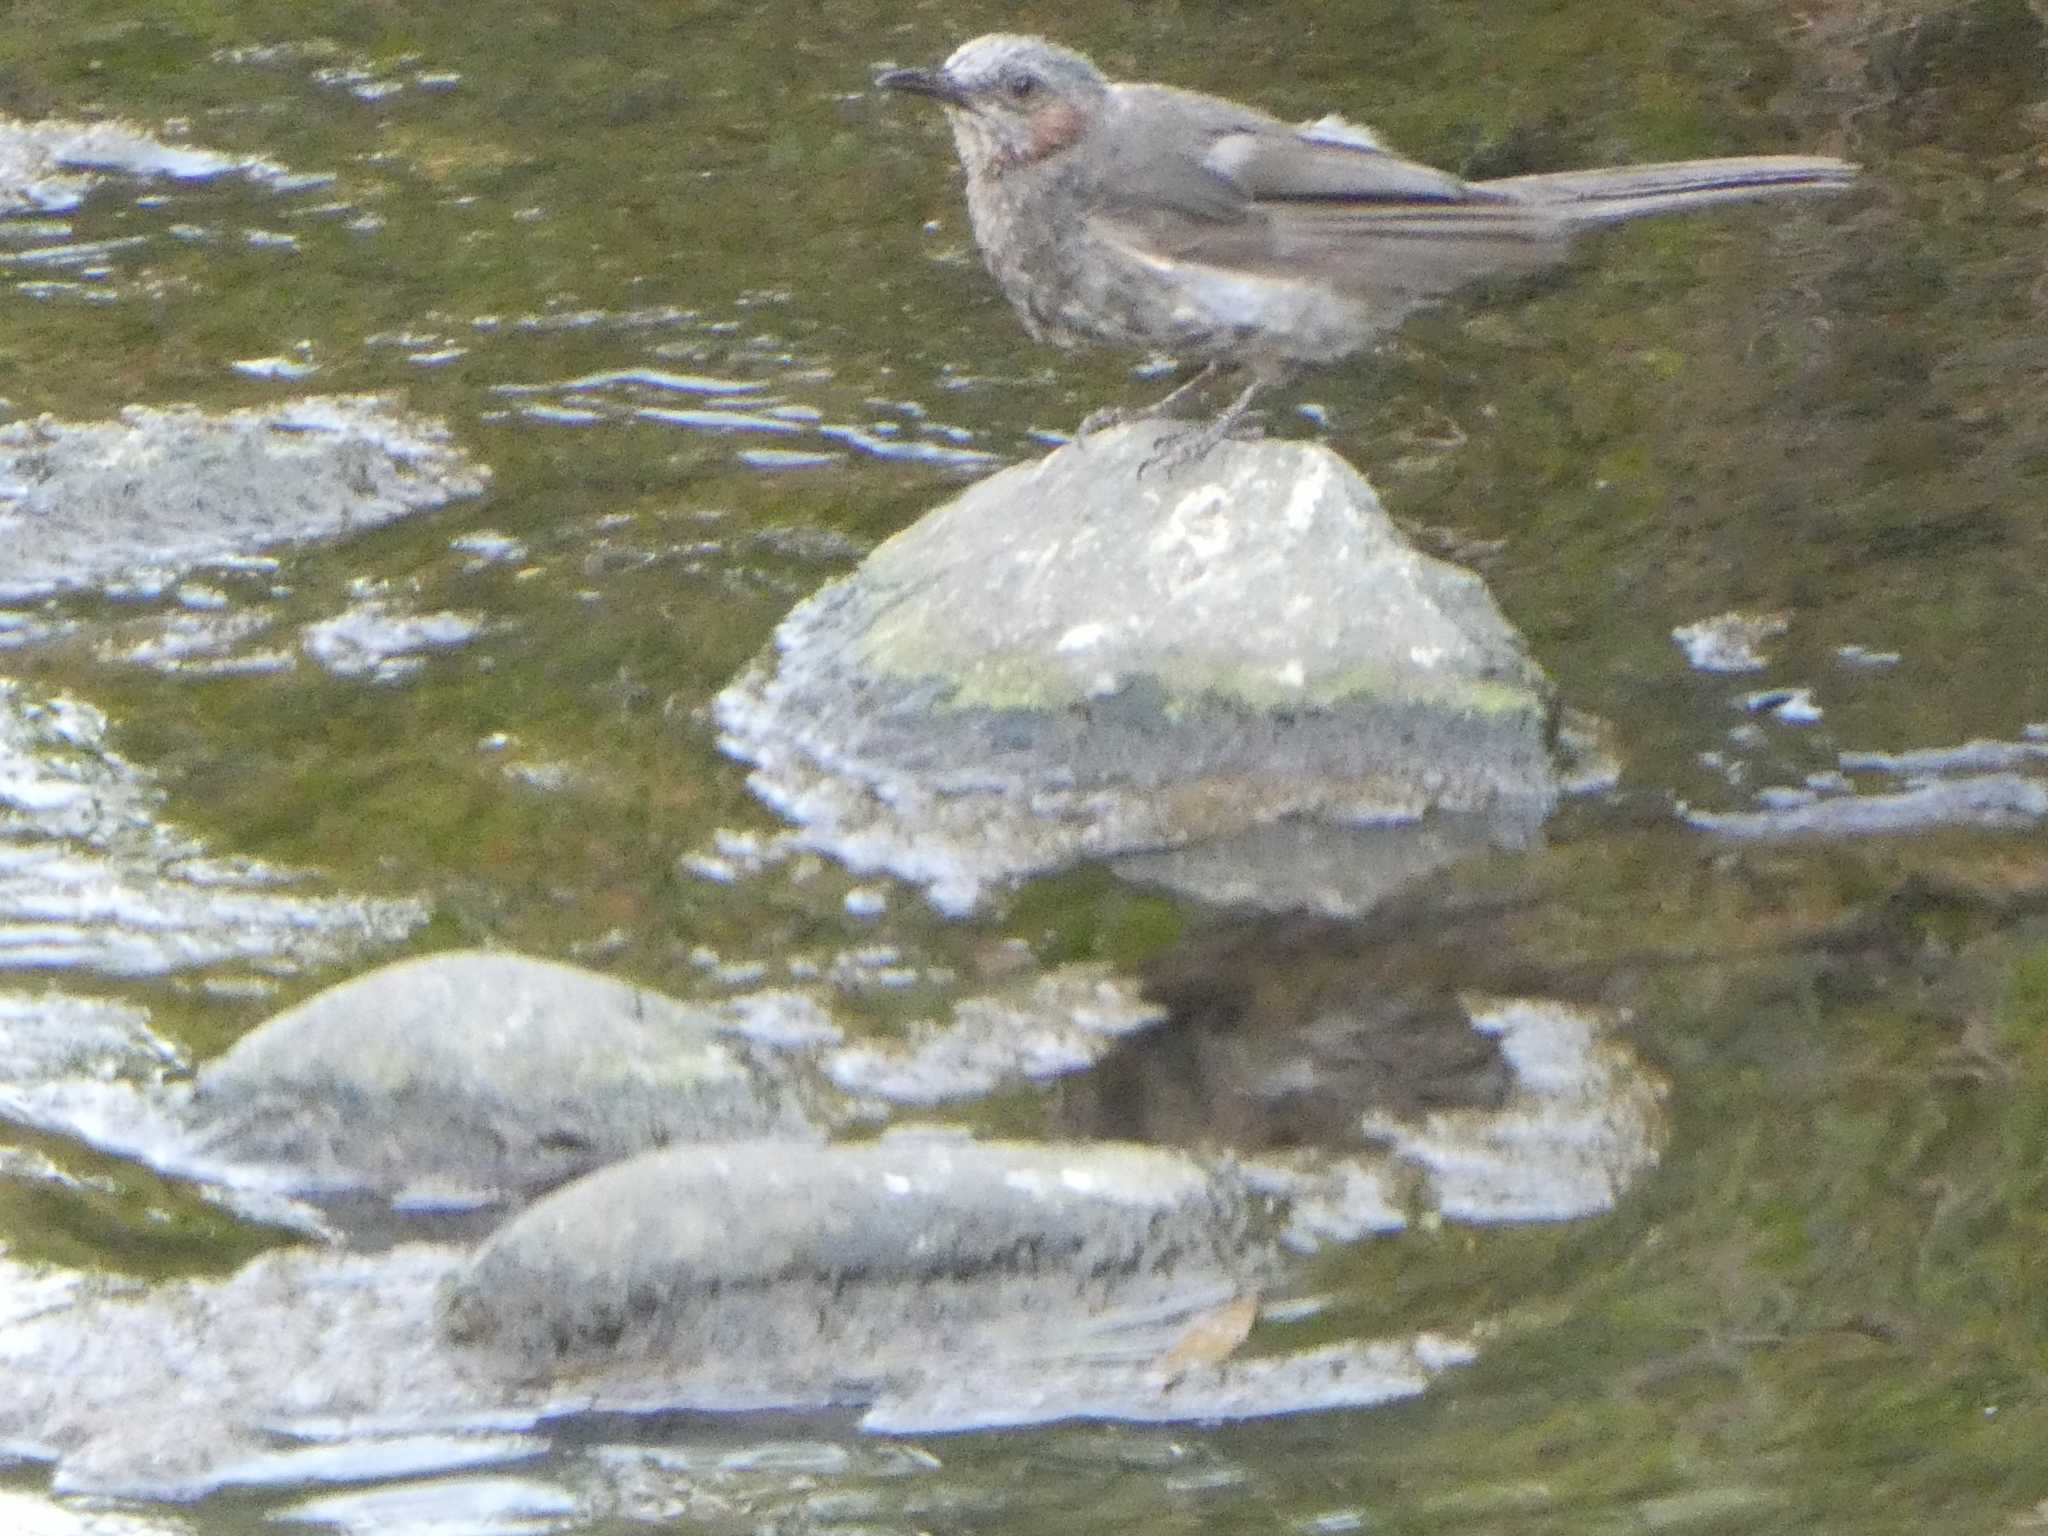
<point>1021,85</point>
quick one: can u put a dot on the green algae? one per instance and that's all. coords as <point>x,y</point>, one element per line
<point>1031,681</point>
<point>1826,1311</point>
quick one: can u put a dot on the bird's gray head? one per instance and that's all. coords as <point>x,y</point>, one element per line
<point>1012,100</point>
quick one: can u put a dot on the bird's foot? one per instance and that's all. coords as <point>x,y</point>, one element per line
<point>1102,420</point>
<point>1121,416</point>
<point>1183,448</point>
<point>1194,441</point>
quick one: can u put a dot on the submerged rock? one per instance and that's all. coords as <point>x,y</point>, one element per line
<point>867,1263</point>
<point>465,1079</point>
<point>928,1281</point>
<point>1993,800</point>
<point>45,166</point>
<point>1730,642</point>
<point>94,878</point>
<point>1076,660</point>
<point>938,1285</point>
<point>1041,1028</point>
<point>160,491</point>
<point>457,1077</point>
<point>165,1391</point>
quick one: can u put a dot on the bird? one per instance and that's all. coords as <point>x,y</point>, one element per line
<point>1149,217</point>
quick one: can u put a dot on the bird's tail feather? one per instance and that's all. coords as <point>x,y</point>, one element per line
<point>1635,191</point>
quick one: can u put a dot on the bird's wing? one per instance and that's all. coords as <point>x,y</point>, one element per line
<point>1192,178</point>
<point>1153,157</point>
<point>1331,161</point>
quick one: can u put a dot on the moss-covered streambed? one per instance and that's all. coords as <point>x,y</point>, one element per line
<point>708,311</point>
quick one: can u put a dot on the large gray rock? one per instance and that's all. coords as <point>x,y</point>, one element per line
<point>462,1076</point>
<point>1076,659</point>
<point>790,1268</point>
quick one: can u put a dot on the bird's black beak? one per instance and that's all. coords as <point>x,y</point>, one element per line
<point>934,83</point>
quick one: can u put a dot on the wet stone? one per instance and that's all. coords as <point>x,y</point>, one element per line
<point>1076,660</point>
<point>47,166</point>
<point>464,1075</point>
<point>1990,800</point>
<point>936,1284</point>
<point>85,503</point>
<point>926,1280</point>
<point>1044,1028</point>
<point>857,1262</point>
<point>1730,642</point>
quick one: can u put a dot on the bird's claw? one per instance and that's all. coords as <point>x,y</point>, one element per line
<point>1178,449</point>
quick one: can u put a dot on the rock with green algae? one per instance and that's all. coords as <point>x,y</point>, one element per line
<point>1080,657</point>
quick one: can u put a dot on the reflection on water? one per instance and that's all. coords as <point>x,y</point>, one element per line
<point>711,316</point>
<point>91,880</point>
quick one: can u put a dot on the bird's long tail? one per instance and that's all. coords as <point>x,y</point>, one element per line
<point>1633,191</point>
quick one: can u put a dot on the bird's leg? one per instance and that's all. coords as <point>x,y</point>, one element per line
<point>1116,416</point>
<point>1226,424</point>
<point>1183,448</point>
<point>1173,397</point>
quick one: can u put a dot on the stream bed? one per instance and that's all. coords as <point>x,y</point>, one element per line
<point>603,335</point>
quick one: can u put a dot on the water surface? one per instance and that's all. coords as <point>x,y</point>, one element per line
<point>708,307</point>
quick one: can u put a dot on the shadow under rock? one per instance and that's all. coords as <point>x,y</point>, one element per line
<point>1283,1030</point>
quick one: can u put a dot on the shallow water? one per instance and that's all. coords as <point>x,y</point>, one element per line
<point>707,307</point>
